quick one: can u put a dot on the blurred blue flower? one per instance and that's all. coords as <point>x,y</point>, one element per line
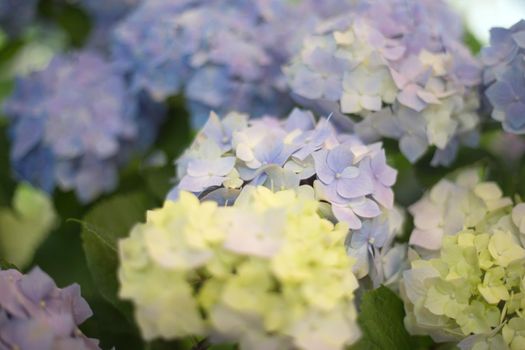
<point>36,315</point>
<point>222,55</point>
<point>74,123</point>
<point>109,9</point>
<point>15,15</point>
<point>105,15</point>
<point>504,76</point>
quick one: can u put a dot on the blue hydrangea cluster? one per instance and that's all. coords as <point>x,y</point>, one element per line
<point>105,15</point>
<point>16,14</point>
<point>399,70</point>
<point>74,123</point>
<point>504,76</point>
<point>222,55</point>
<point>109,9</point>
<point>36,315</point>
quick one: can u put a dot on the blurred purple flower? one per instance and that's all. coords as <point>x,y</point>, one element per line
<point>222,55</point>
<point>507,96</point>
<point>36,315</point>
<point>504,76</point>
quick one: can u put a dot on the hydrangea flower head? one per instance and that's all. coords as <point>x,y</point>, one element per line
<point>267,272</point>
<point>353,177</point>
<point>73,124</point>
<point>36,315</point>
<point>504,76</point>
<point>398,69</point>
<point>452,205</point>
<point>377,255</point>
<point>105,15</point>
<point>15,15</point>
<point>472,290</point>
<point>222,55</point>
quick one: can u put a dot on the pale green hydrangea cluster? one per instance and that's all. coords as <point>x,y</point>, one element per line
<point>453,204</point>
<point>267,272</point>
<point>474,290</point>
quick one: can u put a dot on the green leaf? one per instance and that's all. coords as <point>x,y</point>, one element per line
<point>71,19</point>
<point>103,226</point>
<point>7,185</point>
<point>25,226</point>
<point>4,265</point>
<point>189,343</point>
<point>176,133</point>
<point>160,181</point>
<point>381,321</point>
<point>472,42</point>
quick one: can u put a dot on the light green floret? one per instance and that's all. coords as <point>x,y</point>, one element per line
<point>473,291</point>
<point>268,272</point>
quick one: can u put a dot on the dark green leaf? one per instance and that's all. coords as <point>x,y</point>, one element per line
<point>72,19</point>
<point>176,134</point>
<point>7,185</point>
<point>381,321</point>
<point>429,175</point>
<point>103,226</point>
<point>159,180</point>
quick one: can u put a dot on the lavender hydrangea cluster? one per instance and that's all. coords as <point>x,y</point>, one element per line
<point>222,55</point>
<point>504,76</point>
<point>16,14</point>
<point>399,70</point>
<point>353,177</point>
<point>36,315</point>
<point>74,123</point>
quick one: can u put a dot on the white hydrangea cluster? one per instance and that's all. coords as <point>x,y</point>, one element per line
<point>267,272</point>
<point>473,291</point>
<point>452,205</point>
